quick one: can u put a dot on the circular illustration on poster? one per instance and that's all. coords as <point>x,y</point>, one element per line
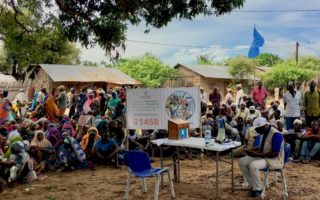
<point>180,105</point>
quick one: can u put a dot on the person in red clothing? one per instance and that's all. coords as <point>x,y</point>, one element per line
<point>311,145</point>
<point>259,94</point>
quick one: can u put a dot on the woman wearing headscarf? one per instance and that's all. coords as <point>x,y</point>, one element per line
<point>88,141</point>
<point>102,125</point>
<point>90,108</point>
<point>62,100</point>
<point>40,141</point>
<point>22,170</point>
<point>71,155</point>
<point>11,141</point>
<point>4,107</point>
<point>67,127</point>
<point>51,108</point>
<point>54,137</point>
<point>113,102</point>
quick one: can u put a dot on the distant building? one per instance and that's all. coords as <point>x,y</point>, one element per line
<point>53,75</point>
<point>206,76</point>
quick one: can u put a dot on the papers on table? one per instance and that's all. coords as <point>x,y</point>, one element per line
<point>197,143</point>
<point>160,142</point>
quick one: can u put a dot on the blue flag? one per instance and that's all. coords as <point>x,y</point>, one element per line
<point>257,42</point>
<point>253,52</point>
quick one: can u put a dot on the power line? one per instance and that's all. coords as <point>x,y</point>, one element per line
<point>274,11</point>
<point>203,47</point>
<point>166,44</point>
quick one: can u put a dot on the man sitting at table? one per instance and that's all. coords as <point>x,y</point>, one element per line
<point>311,146</point>
<point>269,154</point>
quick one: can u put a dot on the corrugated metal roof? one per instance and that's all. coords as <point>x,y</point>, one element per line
<point>7,79</point>
<point>212,71</point>
<point>76,73</point>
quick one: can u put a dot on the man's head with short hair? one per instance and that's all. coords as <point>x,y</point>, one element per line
<point>312,85</point>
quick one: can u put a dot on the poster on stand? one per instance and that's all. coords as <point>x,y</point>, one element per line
<point>152,108</point>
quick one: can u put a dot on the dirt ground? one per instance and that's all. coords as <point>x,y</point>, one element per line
<point>197,182</point>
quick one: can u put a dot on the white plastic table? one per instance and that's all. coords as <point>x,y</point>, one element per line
<point>199,143</point>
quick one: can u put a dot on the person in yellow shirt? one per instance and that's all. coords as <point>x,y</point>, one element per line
<point>311,103</point>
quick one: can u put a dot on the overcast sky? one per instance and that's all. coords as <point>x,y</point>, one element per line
<point>228,35</point>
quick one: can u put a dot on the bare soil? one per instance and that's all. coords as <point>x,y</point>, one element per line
<point>197,182</point>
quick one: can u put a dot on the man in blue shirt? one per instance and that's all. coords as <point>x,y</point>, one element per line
<point>269,154</point>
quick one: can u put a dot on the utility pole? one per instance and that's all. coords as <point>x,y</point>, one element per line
<point>297,51</point>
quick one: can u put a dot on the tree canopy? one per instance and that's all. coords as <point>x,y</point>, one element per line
<point>240,67</point>
<point>309,62</point>
<point>205,59</point>
<point>282,73</point>
<point>32,44</point>
<point>105,22</point>
<point>267,59</point>
<point>148,69</point>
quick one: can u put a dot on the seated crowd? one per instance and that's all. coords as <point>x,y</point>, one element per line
<point>44,138</point>
<point>93,132</point>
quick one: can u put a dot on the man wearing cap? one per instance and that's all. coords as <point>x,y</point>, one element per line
<point>311,103</point>
<point>253,113</point>
<point>243,111</point>
<point>292,101</point>
<point>259,94</point>
<point>229,97</point>
<point>269,154</point>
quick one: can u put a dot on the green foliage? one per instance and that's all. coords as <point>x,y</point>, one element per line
<point>286,71</point>
<point>309,62</point>
<point>105,22</point>
<point>32,44</point>
<point>240,67</point>
<point>204,60</point>
<point>267,59</point>
<point>148,69</point>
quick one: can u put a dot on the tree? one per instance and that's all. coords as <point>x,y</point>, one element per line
<point>204,60</point>
<point>309,62</point>
<point>35,44</point>
<point>282,73</point>
<point>105,22</point>
<point>148,69</point>
<point>267,59</point>
<point>240,67</point>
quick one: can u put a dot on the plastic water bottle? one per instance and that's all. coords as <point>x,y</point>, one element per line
<point>207,134</point>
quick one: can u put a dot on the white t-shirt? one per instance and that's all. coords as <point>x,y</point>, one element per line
<point>293,104</point>
<point>239,97</point>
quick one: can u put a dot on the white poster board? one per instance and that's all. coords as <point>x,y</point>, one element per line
<point>152,108</point>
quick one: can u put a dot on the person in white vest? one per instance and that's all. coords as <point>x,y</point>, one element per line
<point>270,154</point>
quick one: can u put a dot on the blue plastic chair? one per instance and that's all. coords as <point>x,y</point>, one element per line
<point>139,165</point>
<point>267,170</point>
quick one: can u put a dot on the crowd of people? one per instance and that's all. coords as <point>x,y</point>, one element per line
<point>263,130</point>
<point>77,130</point>
<point>63,131</point>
